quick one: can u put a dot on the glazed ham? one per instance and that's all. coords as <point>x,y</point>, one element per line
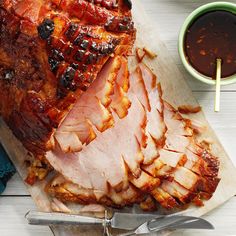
<point>106,134</point>
<point>51,52</point>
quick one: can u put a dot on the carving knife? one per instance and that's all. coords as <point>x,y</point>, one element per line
<point>126,221</point>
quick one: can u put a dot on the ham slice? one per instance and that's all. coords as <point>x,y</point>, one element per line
<point>123,75</point>
<point>177,191</point>
<point>120,102</point>
<point>164,198</point>
<point>143,86</point>
<point>175,123</point>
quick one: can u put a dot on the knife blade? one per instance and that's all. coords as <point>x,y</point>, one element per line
<point>126,221</point>
<point>170,222</point>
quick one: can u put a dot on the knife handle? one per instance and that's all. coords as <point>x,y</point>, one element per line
<point>43,218</point>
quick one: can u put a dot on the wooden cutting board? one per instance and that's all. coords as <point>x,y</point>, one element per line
<point>176,91</point>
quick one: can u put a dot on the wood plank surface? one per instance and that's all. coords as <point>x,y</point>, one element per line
<point>13,223</point>
<point>166,16</point>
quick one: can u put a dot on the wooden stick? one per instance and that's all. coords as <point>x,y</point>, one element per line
<point>218,81</point>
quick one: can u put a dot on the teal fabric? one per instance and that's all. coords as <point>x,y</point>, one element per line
<point>6,169</point>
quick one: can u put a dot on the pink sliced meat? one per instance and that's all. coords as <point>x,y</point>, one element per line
<point>91,108</point>
<point>68,141</point>
<point>150,152</point>
<point>150,80</point>
<point>148,76</point>
<point>171,158</point>
<point>130,131</point>
<point>186,178</point>
<point>65,163</point>
<point>93,208</point>
<point>177,143</point>
<point>142,84</point>
<point>103,86</point>
<point>178,191</point>
<point>137,87</point>
<point>163,166</point>
<point>84,131</point>
<point>145,182</point>
<point>106,152</point>
<point>175,123</point>
<point>146,151</point>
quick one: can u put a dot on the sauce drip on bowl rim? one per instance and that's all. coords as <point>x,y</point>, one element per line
<point>212,36</point>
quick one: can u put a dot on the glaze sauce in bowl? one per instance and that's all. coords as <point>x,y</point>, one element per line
<point>212,36</point>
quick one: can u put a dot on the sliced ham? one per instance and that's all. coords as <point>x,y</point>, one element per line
<point>186,178</point>
<point>164,198</point>
<point>177,143</point>
<point>62,163</point>
<point>175,123</point>
<point>145,182</point>
<point>150,80</point>
<point>171,158</point>
<point>176,190</point>
<point>68,141</point>
<point>104,152</point>
<point>146,151</point>
<point>103,86</point>
<point>123,75</point>
<point>92,109</point>
<point>93,208</point>
<point>84,131</point>
<point>150,152</point>
<point>155,128</point>
<point>120,102</point>
<point>137,87</point>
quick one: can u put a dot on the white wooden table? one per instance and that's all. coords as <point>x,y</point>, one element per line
<point>167,16</point>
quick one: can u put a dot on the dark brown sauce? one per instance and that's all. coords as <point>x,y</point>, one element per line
<point>212,36</point>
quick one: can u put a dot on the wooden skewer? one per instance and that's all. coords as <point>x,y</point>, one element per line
<point>218,83</point>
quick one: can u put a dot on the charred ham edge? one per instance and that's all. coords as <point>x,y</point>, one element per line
<point>142,52</point>
<point>120,102</point>
<point>70,192</point>
<point>187,109</point>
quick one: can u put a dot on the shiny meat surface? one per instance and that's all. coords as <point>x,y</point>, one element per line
<point>50,53</point>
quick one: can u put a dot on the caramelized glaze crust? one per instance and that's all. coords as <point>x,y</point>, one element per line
<point>50,53</point>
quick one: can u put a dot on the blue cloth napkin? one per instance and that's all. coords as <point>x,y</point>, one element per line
<point>6,169</point>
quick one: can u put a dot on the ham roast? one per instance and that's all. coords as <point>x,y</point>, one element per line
<point>106,134</point>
